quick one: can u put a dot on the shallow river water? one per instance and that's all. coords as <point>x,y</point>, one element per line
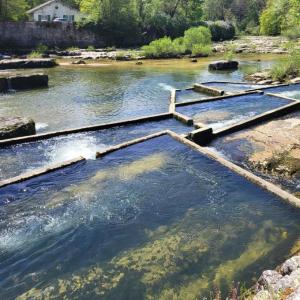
<point>81,96</point>
<point>156,220</point>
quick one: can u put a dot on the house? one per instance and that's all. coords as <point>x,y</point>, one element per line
<point>53,9</point>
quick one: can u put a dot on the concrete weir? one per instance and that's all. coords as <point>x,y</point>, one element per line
<point>242,172</point>
<point>27,63</point>
<point>44,136</point>
<point>23,82</point>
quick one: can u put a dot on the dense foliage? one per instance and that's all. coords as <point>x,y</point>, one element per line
<point>196,41</point>
<point>131,22</point>
<point>281,16</point>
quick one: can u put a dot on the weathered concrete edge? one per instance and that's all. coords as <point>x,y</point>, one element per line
<point>183,118</point>
<point>283,110</point>
<point>198,87</point>
<point>40,171</point>
<point>38,137</point>
<point>282,96</point>
<point>246,174</point>
<point>172,102</point>
<point>129,143</point>
<point>217,98</point>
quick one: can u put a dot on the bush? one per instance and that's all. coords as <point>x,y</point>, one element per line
<point>290,67</point>
<point>221,30</point>
<point>39,52</point>
<point>197,36</point>
<point>90,48</point>
<point>292,33</point>
<point>161,48</point>
<point>201,50</point>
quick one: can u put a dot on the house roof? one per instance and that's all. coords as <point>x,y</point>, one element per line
<point>41,6</point>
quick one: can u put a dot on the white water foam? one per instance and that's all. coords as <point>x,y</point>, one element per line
<point>41,126</point>
<point>166,87</point>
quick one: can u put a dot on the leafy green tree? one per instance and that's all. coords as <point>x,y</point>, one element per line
<point>13,10</point>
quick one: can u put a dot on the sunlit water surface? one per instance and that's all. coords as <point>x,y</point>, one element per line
<point>20,158</point>
<point>156,220</point>
<point>219,114</point>
<point>81,96</point>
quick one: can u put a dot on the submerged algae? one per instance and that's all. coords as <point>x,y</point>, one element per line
<point>125,172</point>
<point>162,266</point>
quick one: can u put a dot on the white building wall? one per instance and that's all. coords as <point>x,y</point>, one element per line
<point>55,10</point>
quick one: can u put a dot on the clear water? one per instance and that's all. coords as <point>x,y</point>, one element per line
<point>81,96</point>
<point>291,91</point>
<point>234,87</point>
<point>17,159</point>
<point>156,220</point>
<point>190,95</point>
<point>229,111</point>
<point>239,149</point>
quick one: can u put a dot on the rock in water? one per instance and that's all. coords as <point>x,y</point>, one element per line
<point>223,65</point>
<point>12,127</point>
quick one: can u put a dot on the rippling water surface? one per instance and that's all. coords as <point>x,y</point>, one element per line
<point>20,158</point>
<point>81,96</point>
<point>156,220</point>
<point>219,114</point>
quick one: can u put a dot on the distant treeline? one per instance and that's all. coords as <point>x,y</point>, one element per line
<point>129,22</point>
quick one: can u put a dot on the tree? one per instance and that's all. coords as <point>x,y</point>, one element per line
<point>13,10</point>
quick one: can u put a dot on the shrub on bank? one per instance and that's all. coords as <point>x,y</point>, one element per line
<point>161,48</point>
<point>196,41</point>
<point>290,67</point>
<point>221,30</point>
<point>39,52</point>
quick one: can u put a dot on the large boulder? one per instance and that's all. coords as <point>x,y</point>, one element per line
<point>223,65</point>
<point>27,63</point>
<point>12,127</point>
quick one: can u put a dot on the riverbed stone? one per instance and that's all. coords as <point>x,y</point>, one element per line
<point>223,65</point>
<point>12,127</point>
<point>290,265</point>
<point>27,63</point>
<point>295,80</point>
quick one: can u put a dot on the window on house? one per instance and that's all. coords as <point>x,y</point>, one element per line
<point>65,17</point>
<point>71,18</point>
<point>39,18</point>
<point>49,18</point>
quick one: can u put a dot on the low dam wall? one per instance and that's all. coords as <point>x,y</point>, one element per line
<point>27,35</point>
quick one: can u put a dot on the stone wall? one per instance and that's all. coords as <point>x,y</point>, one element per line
<point>27,35</point>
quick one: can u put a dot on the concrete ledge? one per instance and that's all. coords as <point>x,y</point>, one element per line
<point>282,96</point>
<point>27,63</point>
<point>291,199</point>
<point>182,118</point>
<point>269,115</point>
<point>24,82</point>
<point>172,101</point>
<point>129,143</point>
<point>3,85</point>
<point>208,90</point>
<point>201,136</point>
<point>217,98</point>
<point>49,135</point>
<point>40,171</point>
